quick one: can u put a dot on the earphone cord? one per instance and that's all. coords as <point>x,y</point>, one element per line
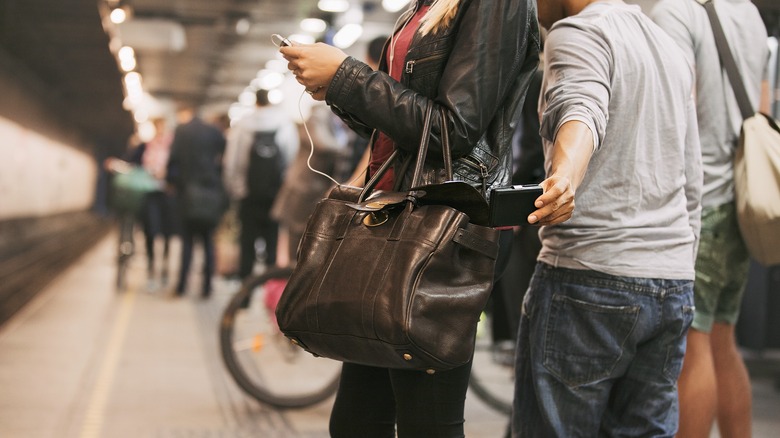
<point>311,142</point>
<point>393,41</point>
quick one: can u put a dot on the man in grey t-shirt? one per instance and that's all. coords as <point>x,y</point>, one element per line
<point>714,378</point>
<point>601,340</point>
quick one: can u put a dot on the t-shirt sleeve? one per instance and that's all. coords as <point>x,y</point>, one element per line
<point>577,81</point>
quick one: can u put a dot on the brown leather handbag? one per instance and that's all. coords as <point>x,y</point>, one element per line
<point>394,280</point>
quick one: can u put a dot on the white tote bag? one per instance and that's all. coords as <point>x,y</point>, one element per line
<point>757,184</point>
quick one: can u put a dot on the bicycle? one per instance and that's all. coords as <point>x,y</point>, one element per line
<point>125,249</point>
<point>270,369</point>
<point>129,186</point>
<point>265,364</point>
<point>492,372</point>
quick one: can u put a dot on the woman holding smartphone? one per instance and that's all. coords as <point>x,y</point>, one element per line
<point>474,59</point>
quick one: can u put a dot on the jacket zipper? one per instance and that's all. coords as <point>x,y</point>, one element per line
<point>483,170</point>
<point>410,64</point>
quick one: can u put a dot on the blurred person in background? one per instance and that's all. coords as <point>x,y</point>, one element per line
<point>195,172</point>
<point>260,147</point>
<point>302,187</point>
<point>157,210</point>
<point>714,383</point>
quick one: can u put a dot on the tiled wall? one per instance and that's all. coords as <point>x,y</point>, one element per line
<point>40,176</point>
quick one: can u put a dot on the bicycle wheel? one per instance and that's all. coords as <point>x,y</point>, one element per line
<point>265,364</point>
<point>492,374</point>
<point>125,251</point>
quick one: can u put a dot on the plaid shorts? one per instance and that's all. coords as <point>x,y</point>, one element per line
<point>721,268</point>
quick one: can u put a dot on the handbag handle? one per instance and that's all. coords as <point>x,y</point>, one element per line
<point>422,153</point>
<point>727,61</point>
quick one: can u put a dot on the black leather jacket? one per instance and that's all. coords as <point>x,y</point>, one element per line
<point>478,68</point>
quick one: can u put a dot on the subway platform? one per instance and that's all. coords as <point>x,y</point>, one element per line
<point>82,360</point>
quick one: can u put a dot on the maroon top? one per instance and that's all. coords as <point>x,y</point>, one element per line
<point>384,146</point>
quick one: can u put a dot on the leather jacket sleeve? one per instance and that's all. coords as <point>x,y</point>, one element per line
<point>478,69</point>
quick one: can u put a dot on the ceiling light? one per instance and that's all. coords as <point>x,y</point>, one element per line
<point>126,52</point>
<point>353,15</point>
<point>347,35</point>
<point>146,130</point>
<point>127,58</point>
<point>333,5</point>
<point>118,16</point>
<point>140,116</point>
<point>302,38</point>
<point>277,65</point>
<point>242,26</point>
<point>127,64</point>
<point>394,5</point>
<point>269,79</point>
<point>275,96</point>
<point>247,98</point>
<point>313,25</point>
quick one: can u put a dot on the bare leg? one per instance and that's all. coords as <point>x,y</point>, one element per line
<point>696,387</point>
<point>734,392</point>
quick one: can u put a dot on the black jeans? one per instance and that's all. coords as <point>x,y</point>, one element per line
<point>256,222</point>
<point>371,401</point>
<point>205,232</point>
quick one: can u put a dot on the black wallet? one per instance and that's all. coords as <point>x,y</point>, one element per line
<point>511,206</point>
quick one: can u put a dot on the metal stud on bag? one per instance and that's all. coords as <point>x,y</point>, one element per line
<point>376,218</point>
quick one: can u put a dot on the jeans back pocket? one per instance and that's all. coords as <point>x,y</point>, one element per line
<point>584,340</point>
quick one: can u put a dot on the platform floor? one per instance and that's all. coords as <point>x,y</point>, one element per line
<point>84,361</point>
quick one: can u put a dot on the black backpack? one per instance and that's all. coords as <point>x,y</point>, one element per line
<point>266,166</point>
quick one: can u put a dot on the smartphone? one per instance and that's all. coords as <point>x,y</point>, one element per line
<point>511,206</point>
<point>280,41</point>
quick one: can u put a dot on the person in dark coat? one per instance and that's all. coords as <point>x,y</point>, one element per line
<point>195,172</point>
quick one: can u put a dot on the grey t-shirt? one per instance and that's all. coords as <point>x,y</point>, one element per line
<point>719,117</point>
<point>637,211</point>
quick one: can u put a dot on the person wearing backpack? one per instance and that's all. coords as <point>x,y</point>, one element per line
<point>260,147</point>
<point>714,384</point>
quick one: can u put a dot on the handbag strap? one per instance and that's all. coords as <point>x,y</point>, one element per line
<point>727,61</point>
<point>422,153</point>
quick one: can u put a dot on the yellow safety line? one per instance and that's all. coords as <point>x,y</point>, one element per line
<point>93,419</point>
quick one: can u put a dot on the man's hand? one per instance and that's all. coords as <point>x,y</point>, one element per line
<point>556,204</point>
<point>569,158</point>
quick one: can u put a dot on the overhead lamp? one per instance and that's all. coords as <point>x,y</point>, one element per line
<point>146,130</point>
<point>302,38</point>
<point>127,64</point>
<point>118,16</point>
<point>394,5</point>
<point>313,25</point>
<point>127,58</point>
<point>243,25</point>
<point>347,35</point>
<point>277,65</point>
<point>269,79</point>
<point>140,115</point>
<point>333,5</point>
<point>247,98</point>
<point>275,96</point>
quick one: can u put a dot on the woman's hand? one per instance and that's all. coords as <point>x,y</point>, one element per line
<point>313,65</point>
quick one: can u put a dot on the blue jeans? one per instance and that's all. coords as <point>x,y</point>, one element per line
<point>599,355</point>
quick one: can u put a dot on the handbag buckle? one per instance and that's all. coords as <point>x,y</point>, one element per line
<point>376,218</point>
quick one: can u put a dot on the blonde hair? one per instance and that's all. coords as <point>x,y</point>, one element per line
<point>438,16</point>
